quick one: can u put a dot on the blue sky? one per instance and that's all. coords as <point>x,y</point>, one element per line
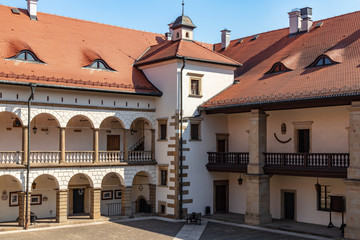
<point>242,17</point>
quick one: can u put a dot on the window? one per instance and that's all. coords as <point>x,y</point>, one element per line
<point>195,127</point>
<point>100,65</point>
<point>195,84</point>
<point>162,129</point>
<point>162,207</point>
<point>324,198</point>
<point>322,60</point>
<point>163,177</point>
<point>27,56</point>
<point>278,68</point>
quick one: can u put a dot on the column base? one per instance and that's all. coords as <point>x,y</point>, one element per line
<point>352,229</point>
<point>256,219</point>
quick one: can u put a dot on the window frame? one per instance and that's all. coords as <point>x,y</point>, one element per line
<point>161,168</point>
<point>98,62</point>
<point>327,198</point>
<point>300,126</point>
<point>196,122</point>
<point>280,66</point>
<point>322,57</point>
<point>26,53</point>
<point>162,121</point>
<point>198,78</point>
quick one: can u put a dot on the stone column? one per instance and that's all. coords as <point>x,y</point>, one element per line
<point>152,193</point>
<point>352,230</point>
<point>62,146</point>
<point>95,202</point>
<point>61,205</point>
<point>22,208</point>
<point>152,144</point>
<point>126,150</point>
<point>96,145</point>
<point>126,202</point>
<point>25,145</point>
<point>257,183</point>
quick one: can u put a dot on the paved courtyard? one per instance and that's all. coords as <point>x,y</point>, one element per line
<point>142,229</point>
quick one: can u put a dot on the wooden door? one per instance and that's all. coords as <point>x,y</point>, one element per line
<point>303,140</point>
<point>78,200</point>
<point>221,144</point>
<point>289,205</point>
<point>220,196</point>
<point>113,142</point>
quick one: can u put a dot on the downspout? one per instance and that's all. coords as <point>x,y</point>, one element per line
<point>181,139</point>
<point>32,87</point>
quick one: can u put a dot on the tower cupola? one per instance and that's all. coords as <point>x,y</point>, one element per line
<point>183,27</point>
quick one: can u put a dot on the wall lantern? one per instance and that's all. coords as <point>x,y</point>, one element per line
<point>34,129</point>
<point>141,188</point>
<point>33,186</point>
<point>132,131</point>
<point>240,181</point>
<point>317,185</point>
<point>16,123</point>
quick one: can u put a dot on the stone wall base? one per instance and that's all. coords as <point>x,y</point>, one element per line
<point>352,229</point>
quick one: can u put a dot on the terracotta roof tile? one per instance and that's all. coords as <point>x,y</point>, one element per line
<point>66,45</point>
<point>338,38</point>
<point>184,48</point>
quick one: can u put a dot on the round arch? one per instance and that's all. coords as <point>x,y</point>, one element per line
<point>82,119</point>
<point>80,179</point>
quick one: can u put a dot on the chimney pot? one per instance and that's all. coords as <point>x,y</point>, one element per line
<point>32,9</point>
<point>294,21</point>
<point>306,21</point>
<point>225,38</point>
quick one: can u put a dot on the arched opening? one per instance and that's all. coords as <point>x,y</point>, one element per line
<point>45,140</point>
<point>79,194</point>
<point>79,140</point>
<point>141,141</point>
<point>112,187</point>
<point>43,197</point>
<point>10,187</point>
<point>10,138</point>
<point>141,193</point>
<point>111,139</point>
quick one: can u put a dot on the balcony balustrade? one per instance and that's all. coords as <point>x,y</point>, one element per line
<point>295,164</point>
<point>111,156</point>
<point>140,156</point>
<point>45,157</point>
<point>11,157</point>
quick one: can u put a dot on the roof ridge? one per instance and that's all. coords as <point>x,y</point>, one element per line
<point>218,54</point>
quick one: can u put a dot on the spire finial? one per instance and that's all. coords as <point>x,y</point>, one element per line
<point>183,6</point>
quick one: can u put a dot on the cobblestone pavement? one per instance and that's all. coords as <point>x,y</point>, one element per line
<point>224,232</point>
<point>143,229</point>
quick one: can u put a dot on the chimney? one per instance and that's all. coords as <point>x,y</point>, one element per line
<point>225,38</point>
<point>306,22</point>
<point>294,20</point>
<point>32,9</point>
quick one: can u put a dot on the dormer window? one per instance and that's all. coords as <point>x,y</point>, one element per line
<point>322,60</point>
<point>99,65</point>
<point>26,56</point>
<point>278,68</point>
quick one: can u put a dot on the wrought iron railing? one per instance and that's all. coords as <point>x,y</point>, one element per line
<point>228,158</point>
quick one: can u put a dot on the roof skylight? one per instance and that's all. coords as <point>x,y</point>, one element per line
<point>99,65</point>
<point>26,56</point>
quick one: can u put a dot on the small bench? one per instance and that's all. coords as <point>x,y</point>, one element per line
<point>193,218</point>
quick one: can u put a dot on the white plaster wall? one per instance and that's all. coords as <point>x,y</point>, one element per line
<point>329,129</point>
<point>8,184</point>
<point>306,198</point>
<point>103,206</point>
<point>201,180</point>
<point>42,211</point>
<point>10,140</point>
<point>237,193</point>
<point>239,126</point>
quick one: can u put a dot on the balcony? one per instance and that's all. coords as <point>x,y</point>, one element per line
<point>42,158</point>
<point>307,164</point>
<point>228,162</point>
<point>293,164</point>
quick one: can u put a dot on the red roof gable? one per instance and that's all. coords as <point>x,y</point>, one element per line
<point>66,45</point>
<point>184,48</point>
<point>338,38</point>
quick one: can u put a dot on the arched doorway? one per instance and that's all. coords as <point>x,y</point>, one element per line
<point>43,196</point>
<point>10,188</point>
<point>112,187</point>
<point>141,193</point>
<point>79,194</point>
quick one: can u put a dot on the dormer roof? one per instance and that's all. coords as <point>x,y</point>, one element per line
<point>183,21</point>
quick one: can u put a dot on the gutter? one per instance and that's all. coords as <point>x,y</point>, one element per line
<point>153,94</point>
<point>181,139</point>
<point>32,88</point>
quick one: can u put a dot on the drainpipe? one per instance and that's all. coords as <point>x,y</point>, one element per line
<point>181,139</point>
<point>32,88</point>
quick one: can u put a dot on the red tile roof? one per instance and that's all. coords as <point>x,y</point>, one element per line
<point>184,48</point>
<point>66,45</point>
<point>338,38</point>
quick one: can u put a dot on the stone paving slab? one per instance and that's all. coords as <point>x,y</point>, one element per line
<point>191,231</point>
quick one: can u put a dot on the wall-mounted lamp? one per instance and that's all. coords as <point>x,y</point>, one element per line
<point>34,129</point>
<point>317,185</point>
<point>132,131</point>
<point>240,180</point>
<point>16,123</point>
<point>33,186</point>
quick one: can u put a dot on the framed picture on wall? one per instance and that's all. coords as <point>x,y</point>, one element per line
<point>13,199</point>
<point>36,199</point>
<point>107,195</point>
<point>117,194</point>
